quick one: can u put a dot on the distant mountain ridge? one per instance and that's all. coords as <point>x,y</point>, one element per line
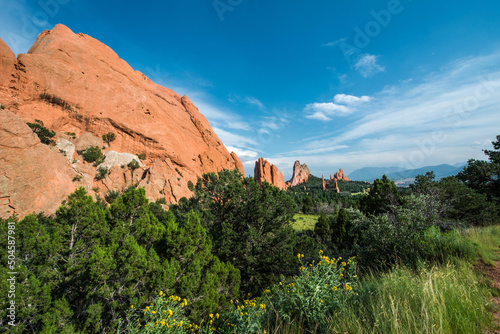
<point>400,174</point>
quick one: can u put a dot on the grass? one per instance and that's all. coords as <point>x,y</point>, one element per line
<point>487,240</point>
<point>437,299</point>
<point>304,222</point>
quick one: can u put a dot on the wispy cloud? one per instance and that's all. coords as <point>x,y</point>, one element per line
<point>234,140</point>
<point>334,43</point>
<point>253,101</point>
<point>367,65</point>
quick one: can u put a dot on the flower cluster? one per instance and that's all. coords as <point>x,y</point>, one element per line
<point>245,317</point>
<point>163,315</point>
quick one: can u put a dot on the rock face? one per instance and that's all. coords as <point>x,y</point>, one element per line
<point>341,176</point>
<point>264,171</point>
<point>81,90</point>
<point>33,177</point>
<point>300,174</point>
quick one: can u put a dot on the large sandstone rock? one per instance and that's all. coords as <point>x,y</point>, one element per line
<point>76,84</point>
<point>341,176</point>
<point>300,174</point>
<point>264,171</point>
<point>33,177</point>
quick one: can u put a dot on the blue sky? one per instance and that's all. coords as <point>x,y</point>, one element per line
<point>334,84</point>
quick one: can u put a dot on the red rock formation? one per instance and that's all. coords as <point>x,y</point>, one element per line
<point>301,174</point>
<point>99,93</point>
<point>33,177</point>
<point>341,176</point>
<point>323,183</point>
<point>264,171</point>
<point>336,185</point>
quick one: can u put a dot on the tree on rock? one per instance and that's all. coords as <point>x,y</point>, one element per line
<point>109,137</point>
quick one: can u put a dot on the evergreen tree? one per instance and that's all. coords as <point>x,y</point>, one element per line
<point>383,194</point>
<point>249,225</point>
<point>109,137</point>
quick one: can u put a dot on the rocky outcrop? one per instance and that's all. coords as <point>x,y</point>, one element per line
<point>77,85</point>
<point>33,177</point>
<point>300,174</point>
<point>264,171</point>
<point>341,176</point>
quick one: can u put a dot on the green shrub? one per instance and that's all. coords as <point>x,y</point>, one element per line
<point>133,165</point>
<point>77,178</point>
<point>92,154</point>
<point>161,200</point>
<point>101,173</point>
<point>141,156</point>
<point>2,106</point>
<point>111,196</point>
<point>389,238</point>
<point>178,172</point>
<point>42,132</point>
<point>319,290</point>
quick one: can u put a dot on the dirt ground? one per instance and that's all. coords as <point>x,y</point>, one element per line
<point>493,273</point>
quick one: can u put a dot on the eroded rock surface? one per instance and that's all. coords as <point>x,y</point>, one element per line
<point>264,171</point>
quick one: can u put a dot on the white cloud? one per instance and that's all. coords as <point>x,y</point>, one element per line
<point>324,111</point>
<point>367,65</point>
<point>243,154</point>
<point>350,100</point>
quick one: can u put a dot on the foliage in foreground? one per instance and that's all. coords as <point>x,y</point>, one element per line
<point>445,299</point>
<point>317,293</point>
<point>80,270</point>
